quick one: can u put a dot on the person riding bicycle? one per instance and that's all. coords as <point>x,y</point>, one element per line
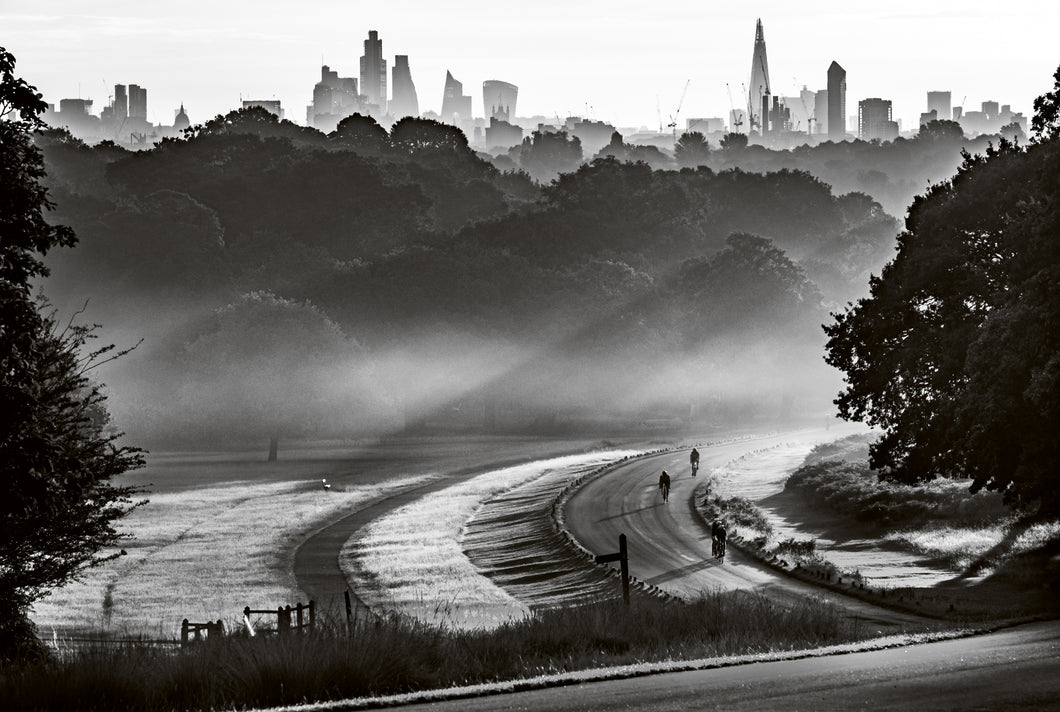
<point>693,458</point>
<point>717,539</point>
<point>664,485</point>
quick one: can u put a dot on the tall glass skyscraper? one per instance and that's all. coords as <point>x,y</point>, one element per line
<point>373,71</point>
<point>759,88</point>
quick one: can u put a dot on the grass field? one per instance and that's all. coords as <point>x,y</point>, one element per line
<point>401,655</point>
<point>411,560</point>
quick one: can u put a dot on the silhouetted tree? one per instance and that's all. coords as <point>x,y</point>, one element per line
<point>691,149</point>
<point>256,121</point>
<point>546,154</point>
<point>57,455</point>
<point>1046,122</point>
<point>362,134</point>
<point>419,136</point>
<point>733,141</point>
<point>941,130</point>
<point>955,353</point>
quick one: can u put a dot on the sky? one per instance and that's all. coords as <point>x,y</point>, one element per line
<point>613,60</point>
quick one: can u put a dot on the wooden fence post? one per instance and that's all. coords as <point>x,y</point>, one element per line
<point>349,611</point>
<point>622,557</point>
<point>184,632</point>
<point>312,615</point>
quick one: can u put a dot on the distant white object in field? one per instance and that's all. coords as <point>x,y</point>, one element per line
<point>325,483</point>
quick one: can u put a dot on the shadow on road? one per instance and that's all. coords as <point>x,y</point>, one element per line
<point>682,571</point>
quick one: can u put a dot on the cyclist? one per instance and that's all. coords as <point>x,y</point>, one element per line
<point>717,539</point>
<point>664,485</point>
<point>694,460</point>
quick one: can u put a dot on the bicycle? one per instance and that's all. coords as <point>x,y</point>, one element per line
<point>665,492</point>
<point>695,467</point>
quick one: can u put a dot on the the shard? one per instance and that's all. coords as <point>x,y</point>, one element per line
<point>759,87</point>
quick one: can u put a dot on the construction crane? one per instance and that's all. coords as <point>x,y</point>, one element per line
<point>737,121</point>
<point>673,116</point>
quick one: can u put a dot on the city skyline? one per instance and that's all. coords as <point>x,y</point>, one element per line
<point>578,61</point>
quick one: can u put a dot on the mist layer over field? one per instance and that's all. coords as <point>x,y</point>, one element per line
<point>288,284</point>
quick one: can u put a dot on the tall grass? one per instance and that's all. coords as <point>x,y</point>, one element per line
<point>400,654</point>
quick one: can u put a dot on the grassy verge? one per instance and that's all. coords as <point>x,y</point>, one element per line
<point>401,655</point>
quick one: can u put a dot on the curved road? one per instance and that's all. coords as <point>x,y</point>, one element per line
<point>669,546</point>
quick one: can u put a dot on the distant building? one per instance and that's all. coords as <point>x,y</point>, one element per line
<point>837,101</point>
<point>373,72</point>
<point>501,134</point>
<point>121,103</point>
<point>404,102</point>
<point>705,126</point>
<point>940,103</point>
<point>759,88</point>
<point>874,120</point>
<point>498,99</point>
<point>991,110</point>
<point>928,116</point>
<point>270,105</point>
<point>820,111</point>
<point>137,102</point>
<point>593,135</point>
<point>72,108</point>
<point>181,121</point>
<point>456,106</point>
<point>334,98</point>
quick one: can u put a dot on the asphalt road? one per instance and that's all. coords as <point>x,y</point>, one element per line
<point>1013,669</point>
<point>669,546</point>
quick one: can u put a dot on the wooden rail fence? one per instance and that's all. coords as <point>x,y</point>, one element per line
<point>303,619</point>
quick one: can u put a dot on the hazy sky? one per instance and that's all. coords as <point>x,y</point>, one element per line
<point>613,60</point>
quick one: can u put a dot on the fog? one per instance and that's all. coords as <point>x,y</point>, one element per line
<point>288,285</point>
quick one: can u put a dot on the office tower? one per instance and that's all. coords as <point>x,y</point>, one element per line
<point>373,71</point>
<point>874,120</point>
<point>121,103</point>
<point>927,117</point>
<point>992,110</point>
<point>456,108</point>
<point>137,102</point>
<point>759,88</point>
<point>334,98</point>
<point>404,102</point>
<point>498,99</point>
<point>820,111</point>
<point>837,101</point>
<point>939,102</point>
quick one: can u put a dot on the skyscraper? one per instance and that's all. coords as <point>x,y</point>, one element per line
<point>837,102</point>
<point>121,103</point>
<point>405,102</point>
<point>456,108</point>
<point>820,111</point>
<point>373,71</point>
<point>759,88</point>
<point>874,120</point>
<point>939,102</point>
<point>498,99</point>
<point>137,102</point>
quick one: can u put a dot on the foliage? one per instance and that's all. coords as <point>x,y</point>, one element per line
<point>691,149</point>
<point>941,130</point>
<point>1046,122</point>
<point>850,488</point>
<point>955,353</point>
<point>57,454</point>
<point>546,154</point>
<point>398,655</point>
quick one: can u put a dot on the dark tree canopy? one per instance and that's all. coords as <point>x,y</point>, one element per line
<point>691,149</point>
<point>956,353</point>
<point>57,451</point>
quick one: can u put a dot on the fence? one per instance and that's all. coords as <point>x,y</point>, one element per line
<point>193,632</point>
<point>304,618</point>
